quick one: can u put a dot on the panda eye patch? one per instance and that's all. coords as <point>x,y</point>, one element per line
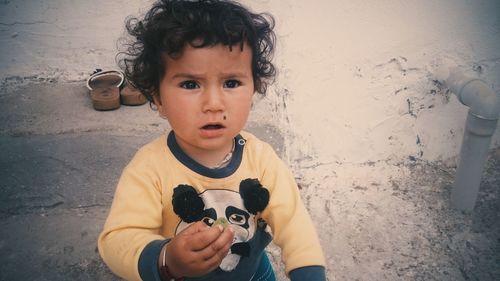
<point>237,219</point>
<point>208,221</point>
<point>237,216</point>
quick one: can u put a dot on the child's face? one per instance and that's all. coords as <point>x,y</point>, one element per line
<point>206,95</point>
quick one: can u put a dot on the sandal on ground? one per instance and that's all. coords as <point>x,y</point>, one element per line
<point>131,96</point>
<point>104,89</point>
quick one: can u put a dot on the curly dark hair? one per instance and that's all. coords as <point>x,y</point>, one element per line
<point>172,24</point>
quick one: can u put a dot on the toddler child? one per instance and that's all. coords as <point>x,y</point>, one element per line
<point>203,201</point>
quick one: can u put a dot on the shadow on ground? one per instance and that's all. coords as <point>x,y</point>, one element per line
<point>452,245</point>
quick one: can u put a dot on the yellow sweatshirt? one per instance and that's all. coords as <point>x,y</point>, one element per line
<point>142,212</point>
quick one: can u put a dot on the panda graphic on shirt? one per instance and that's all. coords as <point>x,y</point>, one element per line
<point>238,208</point>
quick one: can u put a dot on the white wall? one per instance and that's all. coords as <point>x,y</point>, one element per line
<point>360,73</point>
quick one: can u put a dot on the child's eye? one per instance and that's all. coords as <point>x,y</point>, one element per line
<point>231,84</point>
<point>189,85</point>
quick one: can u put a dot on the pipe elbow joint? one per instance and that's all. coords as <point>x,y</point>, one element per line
<point>475,93</point>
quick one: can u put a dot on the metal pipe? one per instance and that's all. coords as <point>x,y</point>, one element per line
<point>482,119</point>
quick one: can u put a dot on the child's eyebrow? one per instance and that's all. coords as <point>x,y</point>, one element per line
<point>235,74</point>
<point>187,76</point>
<point>195,76</point>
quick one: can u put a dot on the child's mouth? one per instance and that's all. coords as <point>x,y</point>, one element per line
<point>212,127</point>
<point>212,130</point>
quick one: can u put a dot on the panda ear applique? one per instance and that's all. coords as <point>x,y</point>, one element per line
<point>255,196</point>
<point>188,205</point>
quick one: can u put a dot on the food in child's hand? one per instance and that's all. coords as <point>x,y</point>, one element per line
<point>222,222</point>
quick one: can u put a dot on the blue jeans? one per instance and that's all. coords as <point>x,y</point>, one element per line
<point>265,271</point>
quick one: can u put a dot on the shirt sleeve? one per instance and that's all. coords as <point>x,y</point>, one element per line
<point>148,261</point>
<point>293,230</point>
<point>134,219</point>
<point>309,273</point>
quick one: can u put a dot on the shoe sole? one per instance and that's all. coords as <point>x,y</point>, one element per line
<point>131,96</point>
<point>105,90</point>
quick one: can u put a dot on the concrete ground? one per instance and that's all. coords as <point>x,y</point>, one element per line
<point>61,160</point>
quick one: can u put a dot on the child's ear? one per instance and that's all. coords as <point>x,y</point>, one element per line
<point>159,106</point>
<point>188,205</point>
<point>255,196</point>
<point>157,100</point>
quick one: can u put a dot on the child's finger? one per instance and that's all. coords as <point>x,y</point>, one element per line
<point>211,257</point>
<point>213,262</point>
<point>194,228</point>
<point>202,239</point>
<point>219,247</point>
<point>226,240</point>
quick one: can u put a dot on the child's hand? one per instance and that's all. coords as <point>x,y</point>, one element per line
<point>198,249</point>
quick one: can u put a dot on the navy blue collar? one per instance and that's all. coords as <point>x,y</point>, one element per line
<point>205,171</point>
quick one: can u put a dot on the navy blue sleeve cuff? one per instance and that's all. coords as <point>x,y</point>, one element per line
<point>309,273</point>
<point>148,261</point>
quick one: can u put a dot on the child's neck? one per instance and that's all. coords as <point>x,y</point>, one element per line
<point>208,158</point>
<point>225,161</point>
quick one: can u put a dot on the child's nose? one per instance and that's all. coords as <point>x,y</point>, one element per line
<point>213,99</point>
